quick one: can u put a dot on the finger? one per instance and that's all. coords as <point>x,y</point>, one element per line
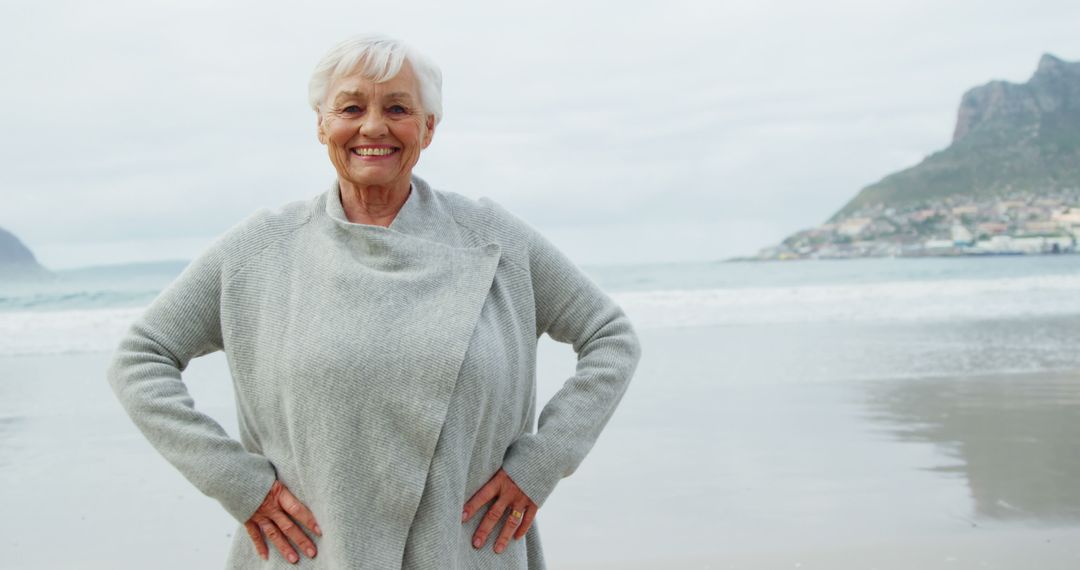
<point>298,511</point>
<point>257,538</point>
<point>492,517</point>
<point>512,523</point>
<point>293,532</point>
<point>277,539</point>
<point>526,522</point>
<point>481,498</point>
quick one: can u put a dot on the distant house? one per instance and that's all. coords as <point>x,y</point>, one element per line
<point>880,226</point>
<point>991,228</point>
<point>997,244</point>
<point>1035,244</point>
<point>1047,202</point>
<point>961,236</point>
<point>939,246</point>
<point>922,215</point>
<point>1029,244</point>
<point>1067,216</point>
<point>853,226</point>
<point>1060,243</point>
<point>1005,206</point>
<point>1032,213</point>
<point>1041,227</point>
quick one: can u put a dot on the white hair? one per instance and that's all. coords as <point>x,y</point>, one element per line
<point>377,58</point>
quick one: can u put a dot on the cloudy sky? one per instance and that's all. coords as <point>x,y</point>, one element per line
<point>625,131</point>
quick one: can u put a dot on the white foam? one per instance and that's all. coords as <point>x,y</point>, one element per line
<point>51,332</point>
<point>904,301</point>
<point>57,332</point>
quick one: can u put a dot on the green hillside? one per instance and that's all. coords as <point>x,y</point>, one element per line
<point>1008,137</point>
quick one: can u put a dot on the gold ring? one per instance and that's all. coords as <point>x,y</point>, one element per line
<point>516,514</point>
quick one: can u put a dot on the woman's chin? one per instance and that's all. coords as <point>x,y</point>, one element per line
<point>366,178</point>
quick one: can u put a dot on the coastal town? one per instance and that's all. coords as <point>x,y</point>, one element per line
<point>1015,223</point>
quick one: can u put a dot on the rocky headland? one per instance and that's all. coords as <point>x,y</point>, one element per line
<point>1009,182</point>
<point>17,261</point>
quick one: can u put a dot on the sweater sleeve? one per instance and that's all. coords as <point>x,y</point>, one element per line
<point>572,309</point>
<point>145,373</point>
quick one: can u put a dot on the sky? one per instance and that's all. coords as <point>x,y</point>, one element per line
<point>626,132</point>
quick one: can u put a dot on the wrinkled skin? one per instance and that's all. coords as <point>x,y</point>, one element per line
<point>276,519</point>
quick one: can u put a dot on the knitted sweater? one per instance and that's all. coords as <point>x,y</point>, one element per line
<point>383,374</point>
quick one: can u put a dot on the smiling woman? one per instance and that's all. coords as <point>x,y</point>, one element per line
<point>382,339</point>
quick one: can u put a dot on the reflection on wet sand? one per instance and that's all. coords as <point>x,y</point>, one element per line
<point>8,425</point>
<point>1016,437</point>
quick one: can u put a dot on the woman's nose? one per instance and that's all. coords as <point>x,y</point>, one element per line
<point>374,125</point>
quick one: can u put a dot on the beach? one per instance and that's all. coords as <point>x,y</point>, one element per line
<point>799,445</point>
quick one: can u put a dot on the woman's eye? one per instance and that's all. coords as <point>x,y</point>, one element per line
<point>352,109</point>
<point>397,109</point>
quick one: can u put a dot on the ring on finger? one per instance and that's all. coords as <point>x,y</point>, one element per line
<point>516,514</point>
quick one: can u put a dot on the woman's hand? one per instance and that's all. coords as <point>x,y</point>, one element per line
<point>276,517</point>
<point>506,494</point>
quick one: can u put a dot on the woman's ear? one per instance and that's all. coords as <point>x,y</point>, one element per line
<point>319,126</point>
<point>430,124</point>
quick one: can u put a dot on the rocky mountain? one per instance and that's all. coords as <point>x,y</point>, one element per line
<point>1008,138</point>
<point>16,260</point>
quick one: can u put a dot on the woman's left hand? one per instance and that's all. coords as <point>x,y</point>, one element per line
<point>506,494</point>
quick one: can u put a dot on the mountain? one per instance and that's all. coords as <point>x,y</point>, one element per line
<point>16,260</point>
<point>1008,137</point>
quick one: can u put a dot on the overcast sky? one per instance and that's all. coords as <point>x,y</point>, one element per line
<point>625,131</point>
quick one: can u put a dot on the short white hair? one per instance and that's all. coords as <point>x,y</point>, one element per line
<point>377,58</point>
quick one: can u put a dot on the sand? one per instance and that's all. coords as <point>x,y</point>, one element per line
<point>724,454</point>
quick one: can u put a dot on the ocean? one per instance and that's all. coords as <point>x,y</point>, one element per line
<point>866,413</point>
<point>87,309</point>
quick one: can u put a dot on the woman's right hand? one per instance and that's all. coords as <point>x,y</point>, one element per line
<point>276,517</point>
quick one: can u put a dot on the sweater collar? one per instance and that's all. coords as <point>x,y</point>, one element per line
<point>336,211</point>
<point>424,215</point>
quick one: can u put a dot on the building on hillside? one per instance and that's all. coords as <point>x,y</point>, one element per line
<point>1067,216</point>
<point>1006,205</point>
<point>1047,202</point>
<point>939,246</point>
<point>991,228</point>
<point>1041,227</point>
<point>922,215</point>
<point>961,236</point>
<point>1000,244</point>
<point>1043,244</point>
<point>853,226</point>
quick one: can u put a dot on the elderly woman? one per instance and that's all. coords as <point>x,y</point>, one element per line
<point>381,338</point>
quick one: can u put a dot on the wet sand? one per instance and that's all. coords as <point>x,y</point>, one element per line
<point>1014,549</point>
<point>726,453</point>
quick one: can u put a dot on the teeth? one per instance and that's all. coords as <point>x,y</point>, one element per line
<point>381,151</point>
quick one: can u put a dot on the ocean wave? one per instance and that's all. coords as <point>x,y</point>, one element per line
<point>52,301</point>
<point>901,301</point>
<point>82,330</point>
<point>60,332</point>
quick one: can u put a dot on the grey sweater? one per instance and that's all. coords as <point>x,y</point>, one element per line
<point>383,374</point>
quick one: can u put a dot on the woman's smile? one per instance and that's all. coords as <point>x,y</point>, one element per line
<point>375,152</point>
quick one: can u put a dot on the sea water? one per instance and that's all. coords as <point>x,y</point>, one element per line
<point>88,309</point>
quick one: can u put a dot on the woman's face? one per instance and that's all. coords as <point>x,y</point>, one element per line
<point>374,132</point>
